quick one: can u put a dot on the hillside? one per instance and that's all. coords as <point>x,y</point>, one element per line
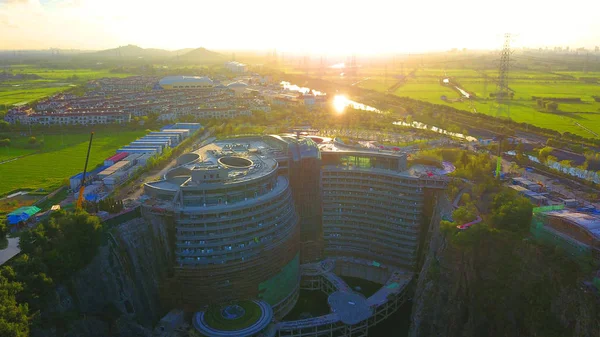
<point>200,55</point>
<point>132,51</point>
<point>495,284</point>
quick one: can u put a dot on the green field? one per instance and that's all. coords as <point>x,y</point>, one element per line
<point>215,320</point>
<point>22,91</point>
<point>61,157</point>
<point>571,117</point>
<point>26,92</point>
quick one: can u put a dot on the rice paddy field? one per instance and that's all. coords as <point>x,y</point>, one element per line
<point>582,118</point>
<point>61,156</point>
<point>50,81</point>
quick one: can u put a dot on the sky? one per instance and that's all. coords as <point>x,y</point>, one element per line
<point>306,26</point>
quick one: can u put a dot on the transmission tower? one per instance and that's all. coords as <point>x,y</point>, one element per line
<point>353,66</point>
<point>502,91</point>
<point>321,68</point>
<point>385,76</point>
<point>306,64</point>
<point>485,84</point>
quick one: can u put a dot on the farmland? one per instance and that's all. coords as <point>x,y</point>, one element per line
<point>44,82</point>
<point>60,156</point>
<point>423,83</point>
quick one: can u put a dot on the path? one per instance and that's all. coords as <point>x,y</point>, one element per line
<point>11,250</point>
<point>133,192</point>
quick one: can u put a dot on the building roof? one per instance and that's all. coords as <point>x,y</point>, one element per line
<point>586,221</point>
<point>186,79</point>
<point>91,173</point>
<point>21,214</point>
<point>237,84</point>
<point>117,157</point>
<point>518,188</point>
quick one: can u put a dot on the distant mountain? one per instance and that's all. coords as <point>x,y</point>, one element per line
<point>182,51</point>
<point>200,55</point>
<point>132,51</point>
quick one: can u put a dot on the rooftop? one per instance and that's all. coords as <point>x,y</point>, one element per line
<point>189,79</point>
<point>588,222</point>
<point>350,306</point>
<point>339,147</point>
<point>237,84</point>
<point>235,160</point>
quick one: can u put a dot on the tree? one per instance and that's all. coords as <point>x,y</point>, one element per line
<point>464,158</point>
<point>57,248</point>
<point>540,103</point>
<point>5,142</point>
<point>520,150</point>
<point>32,140</point>
<point>13,315</point>
<point>511,211</point>
<point>3,229</point>
<point>552,106</point>
<point>464,214</point>
<point>544,153</point>
<point>465,199</point>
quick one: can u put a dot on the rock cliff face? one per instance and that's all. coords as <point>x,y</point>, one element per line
<point>117,294</point>
<point>497,284</point>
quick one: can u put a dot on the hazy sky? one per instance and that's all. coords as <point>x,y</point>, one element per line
<point>317,26</point>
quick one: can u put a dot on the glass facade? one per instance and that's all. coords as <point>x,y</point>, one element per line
<point>303,168</point>
<point>365,161</point>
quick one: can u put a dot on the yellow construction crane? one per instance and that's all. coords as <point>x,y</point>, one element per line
<point>82,188</point>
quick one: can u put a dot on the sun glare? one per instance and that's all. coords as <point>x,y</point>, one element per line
<point>340,102</point>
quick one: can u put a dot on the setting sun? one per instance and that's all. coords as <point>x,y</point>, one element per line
<point>340,102</point>
<point>88,24</point>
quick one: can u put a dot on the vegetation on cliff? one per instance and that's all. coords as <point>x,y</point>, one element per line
<point>494,280</point>
<point>13,315</point>
<point>50,253</point>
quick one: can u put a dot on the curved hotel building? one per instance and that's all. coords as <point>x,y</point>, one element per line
<point>246,213</point>
<point>236,227</point>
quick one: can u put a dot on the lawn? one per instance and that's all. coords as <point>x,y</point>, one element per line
<point>215,319</point>
<point>62,156</point>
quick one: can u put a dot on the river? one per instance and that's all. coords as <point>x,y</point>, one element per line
<point>341,102</point>
<point>464,93</point>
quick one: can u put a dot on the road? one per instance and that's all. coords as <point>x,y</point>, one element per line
<point>134,191</point>
<point>11,250</point>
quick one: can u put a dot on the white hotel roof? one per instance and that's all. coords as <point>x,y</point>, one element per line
<point>189,79</point>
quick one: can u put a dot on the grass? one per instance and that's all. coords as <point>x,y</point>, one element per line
<point>9,205</point>
<point>27,92</point>
<point>7,153</point>
<point>52,81</point>
<point>526,83</point>
<point>61,157</point>
<point>56,199</point>
<point>215,320</point>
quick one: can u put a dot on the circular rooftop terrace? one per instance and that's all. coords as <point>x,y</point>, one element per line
<point>245,318</point>
<point>235,162</point>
